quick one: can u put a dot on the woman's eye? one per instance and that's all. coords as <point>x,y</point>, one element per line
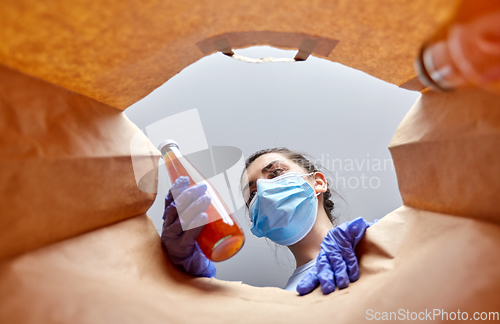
<point>252,194</point>
<point>276,173</point>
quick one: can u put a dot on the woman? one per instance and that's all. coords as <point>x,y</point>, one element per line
<point>289,201</point>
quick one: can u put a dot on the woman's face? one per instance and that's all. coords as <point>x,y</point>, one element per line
<point>267,166</point>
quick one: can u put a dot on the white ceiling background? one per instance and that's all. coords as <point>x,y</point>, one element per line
<point>342,117</point>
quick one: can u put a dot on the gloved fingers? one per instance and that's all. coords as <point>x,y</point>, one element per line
<point>189,237</point>
<point>168,200</point>
<point>344,239</point>
<point>193,211</point>
<point>325,276</point>
<point>211,270</point>
<point>172,210</point>
<point>200,265</point>
<point>347,236</point>
<point>180,245</point>
<point>188,196</point>
<point>309,282</point>
<point>351,262</point>
<point>339,268</point>
<point>199,221</point>
<point>173,230</point>
<point>169,215</point>
<point>354,231</point>
<point>331,246</point>
<point>184,239</point>
<point>180,184</point>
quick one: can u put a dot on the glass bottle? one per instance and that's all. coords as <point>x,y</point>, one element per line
<point>221,237</point>
<point>465,52</point>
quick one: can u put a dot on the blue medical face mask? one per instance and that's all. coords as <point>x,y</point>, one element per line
<point>284,208</point>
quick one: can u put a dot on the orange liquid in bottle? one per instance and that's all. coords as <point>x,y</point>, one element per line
<point>222,237</point>
<point>466,51</point>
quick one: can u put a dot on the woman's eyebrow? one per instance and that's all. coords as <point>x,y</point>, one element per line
<point>270,165</point>
<point>265,169</point>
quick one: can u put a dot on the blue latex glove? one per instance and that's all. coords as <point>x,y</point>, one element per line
<point>182,248</point>
<point>336,263</point>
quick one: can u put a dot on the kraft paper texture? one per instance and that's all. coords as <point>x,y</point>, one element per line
<point>65,164</point>
<point>117,52</point>
<point>411,259</point>
<point>446,152</point>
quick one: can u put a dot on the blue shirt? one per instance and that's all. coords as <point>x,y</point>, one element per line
<point>298,274</point>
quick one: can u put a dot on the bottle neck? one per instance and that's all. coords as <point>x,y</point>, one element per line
<point>171,150</point>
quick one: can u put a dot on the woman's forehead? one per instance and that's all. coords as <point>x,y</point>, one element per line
<point>263,160</point>
<point>254,170</point>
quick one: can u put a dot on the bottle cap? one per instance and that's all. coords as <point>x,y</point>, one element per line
<point>166,144</point>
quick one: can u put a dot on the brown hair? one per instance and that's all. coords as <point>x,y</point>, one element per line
<point>306,164</point>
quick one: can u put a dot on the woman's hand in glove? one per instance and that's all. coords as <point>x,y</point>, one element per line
<point>184,218</point>
<point>336,263</point>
